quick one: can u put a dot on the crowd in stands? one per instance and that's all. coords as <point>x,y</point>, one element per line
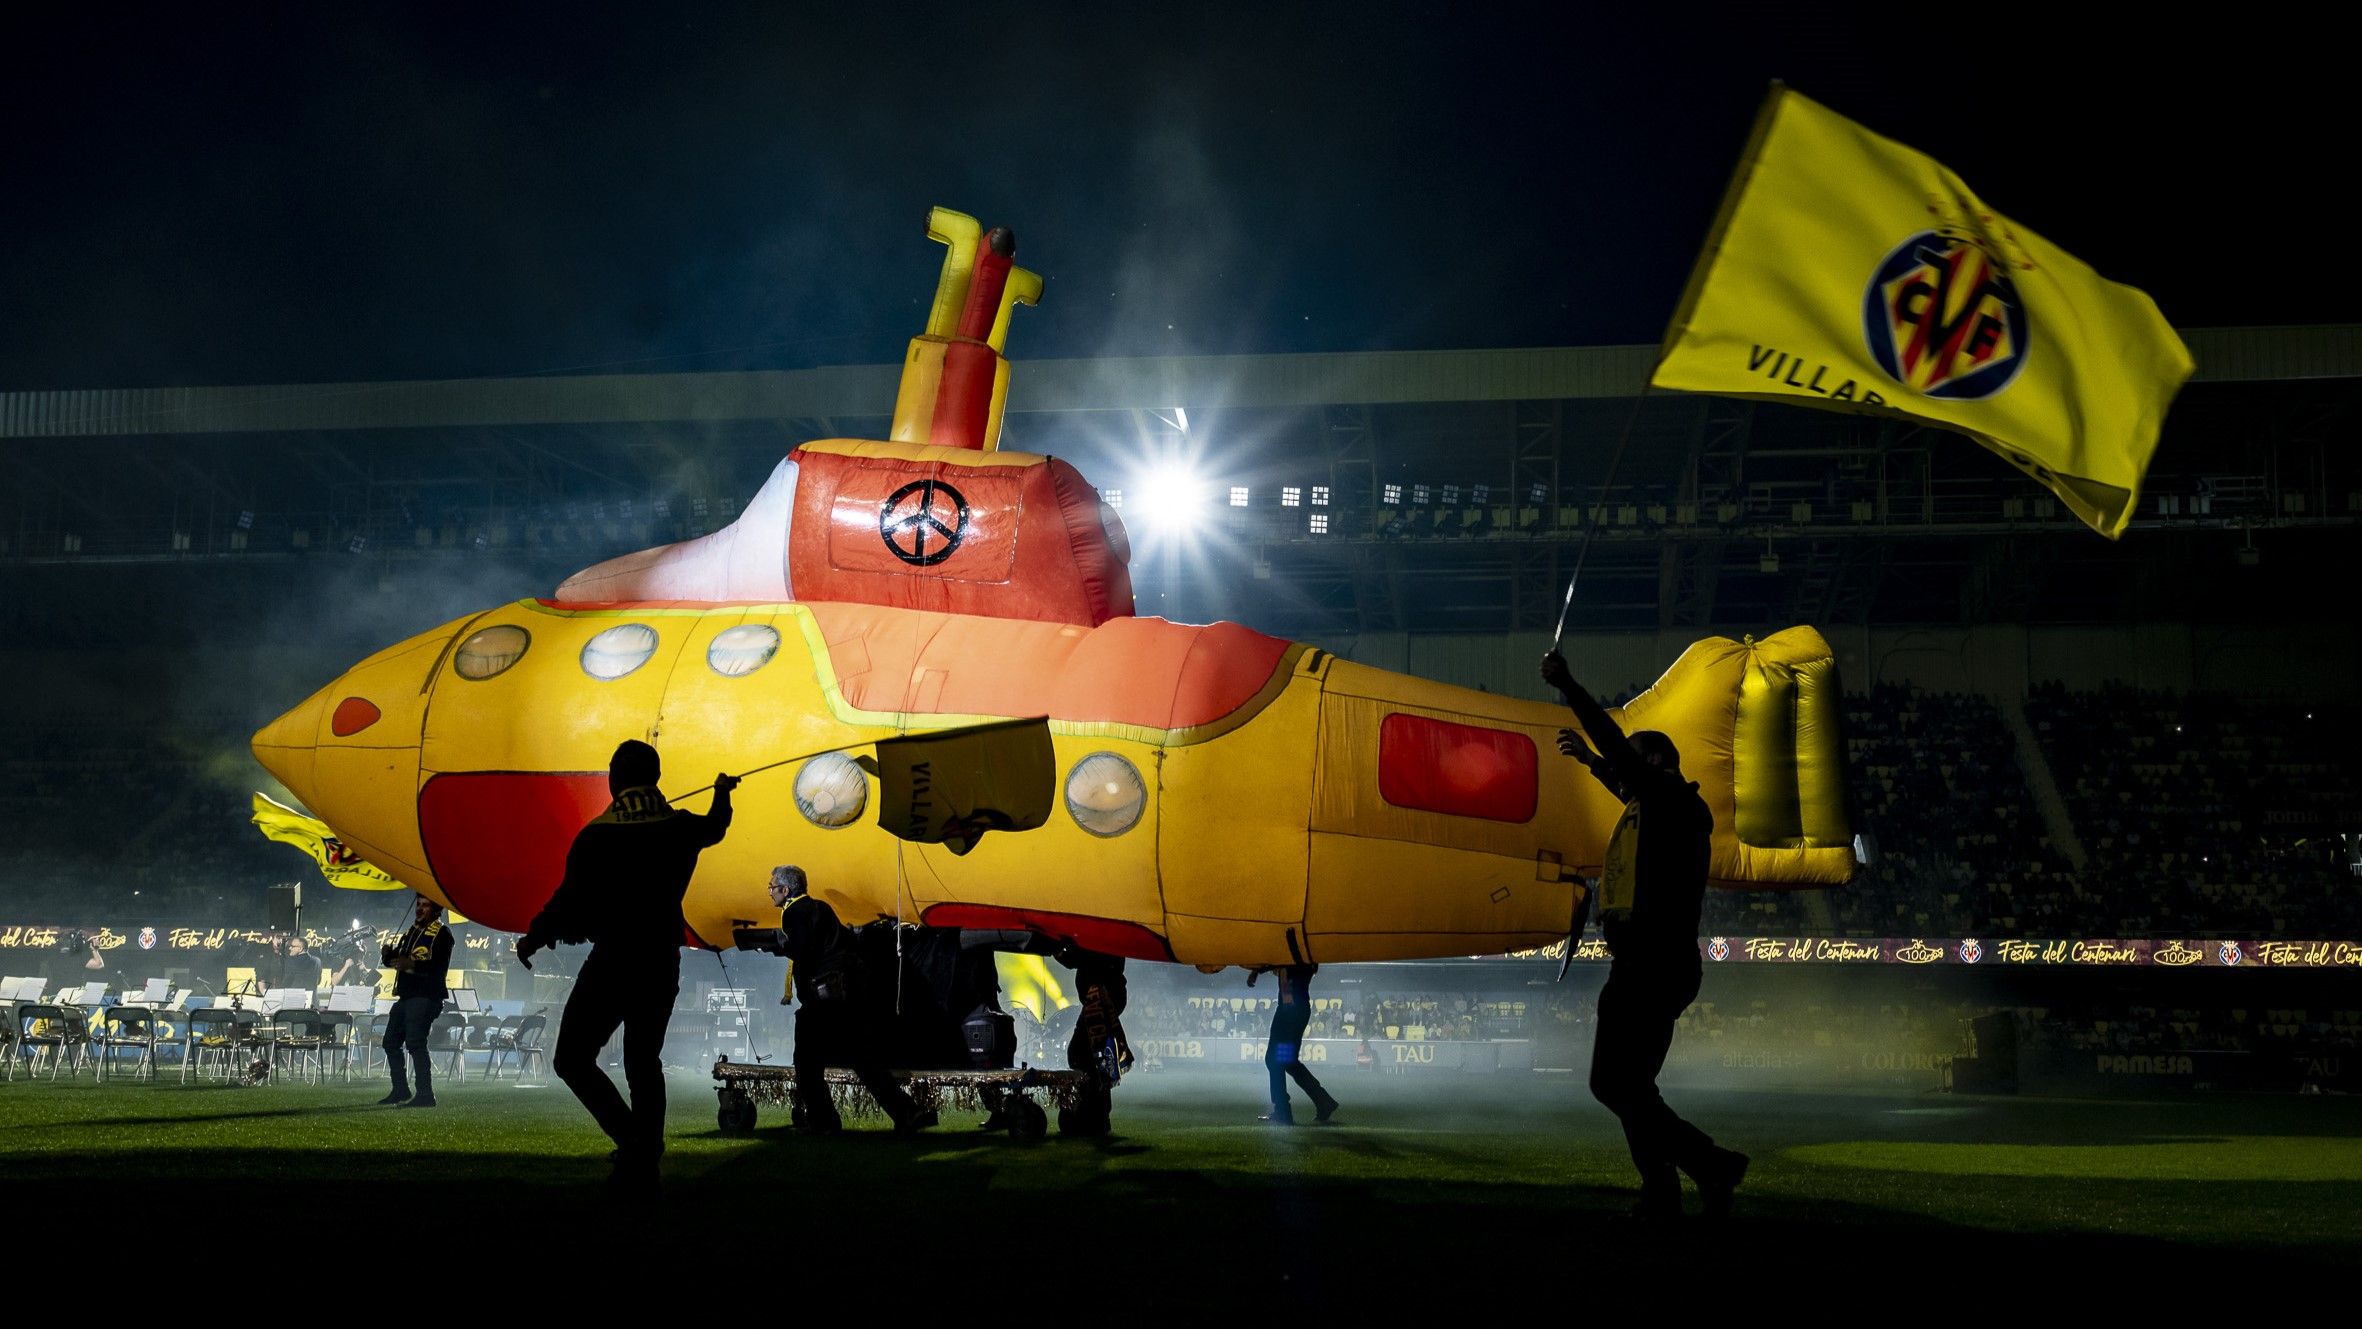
<point>113,822</point>
<point>2207,814</point>
<point>2128,1027</point>
<point>2197,816</point>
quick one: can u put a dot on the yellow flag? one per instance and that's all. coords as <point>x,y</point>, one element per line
<point>1849,272</point>
<point>310,834</point>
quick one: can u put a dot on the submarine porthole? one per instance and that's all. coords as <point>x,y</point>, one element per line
<point>1104,794</point>
<point>832,790</point>
<point>618,651</point>
<point>491,651</point>
<point>742,649</point>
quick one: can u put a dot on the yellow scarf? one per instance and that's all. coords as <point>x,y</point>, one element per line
<point>1622,870</point>
<point>634,806</point>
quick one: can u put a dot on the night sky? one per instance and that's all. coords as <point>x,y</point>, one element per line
<point>224,194</point>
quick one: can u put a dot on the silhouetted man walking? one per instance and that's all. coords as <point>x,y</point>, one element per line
<point>1283,1055</point>
<point>1651,893</point>
<point>625,877</point>
<point>835,1019</point>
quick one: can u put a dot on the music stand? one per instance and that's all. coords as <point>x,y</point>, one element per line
<point>91,996</point>
<point>155,992</point>
<point>22,989</point>
<point>288,999</point>
<point>351,1000</point>
<point>464,1000</point>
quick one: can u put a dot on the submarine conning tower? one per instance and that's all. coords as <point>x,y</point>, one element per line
<point>936,517</point>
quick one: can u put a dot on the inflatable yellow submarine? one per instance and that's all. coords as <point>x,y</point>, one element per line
<point>1221,797</point>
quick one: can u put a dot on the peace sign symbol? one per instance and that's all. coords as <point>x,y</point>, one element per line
<point>905,526</point>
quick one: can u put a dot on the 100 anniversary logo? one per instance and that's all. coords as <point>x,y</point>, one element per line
<point>1942,318</point>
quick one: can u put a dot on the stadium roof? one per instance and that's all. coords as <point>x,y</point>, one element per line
<point>2224,355</point>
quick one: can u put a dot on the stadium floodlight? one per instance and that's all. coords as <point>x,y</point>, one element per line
<point>1113,498</point>
<point>1535,493</point>
<point>1171,498</point>
<point>1481,495</point>
<point>1451,496</point>
<point>1392,496</point>
<point>1291,496</point>
<point>1238,496</point>
<point>1318,523</point>
<point>1419,493</point>
<point>1320,496</point>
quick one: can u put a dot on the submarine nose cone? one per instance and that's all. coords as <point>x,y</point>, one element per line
<point>285,745</point>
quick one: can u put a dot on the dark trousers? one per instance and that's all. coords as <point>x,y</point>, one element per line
<point>407,1025</point>
<point>1637,1011</point>
<point>834,1033</point>
<point>636,993</point>
<point>1283,1060</point>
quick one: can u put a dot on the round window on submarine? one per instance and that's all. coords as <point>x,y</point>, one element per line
<point>1104,794</point>
<point>490,651</point>
<point>618,651</point>
<point>831,790</point>
<point>742,649</point>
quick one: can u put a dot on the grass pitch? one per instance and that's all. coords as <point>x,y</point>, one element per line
<point>1511,1189</point>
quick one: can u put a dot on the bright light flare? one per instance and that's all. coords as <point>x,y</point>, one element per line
<point>1169,500</point>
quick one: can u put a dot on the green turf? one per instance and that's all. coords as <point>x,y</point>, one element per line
<point>1463,1173</point>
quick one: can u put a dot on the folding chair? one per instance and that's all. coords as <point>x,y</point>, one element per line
<point>500,1043</point>
<point>215,1034</point>
<point>482,1028</point>
<point>449,1036</point>
<point>132,1027</point>
<point>372,1040</point>
<point>60,1032</point>
<point>519,1043</point>
<point>248,1043</point>
<point>303,1038</point>
<point>8,1039</point>
<point>338,1028</point>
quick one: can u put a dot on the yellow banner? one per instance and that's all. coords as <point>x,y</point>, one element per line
<point>1851,273</point>
<point>310,834</point>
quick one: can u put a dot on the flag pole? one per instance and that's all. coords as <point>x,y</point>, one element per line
<point>1756,134</point>
<point>1592,512</point>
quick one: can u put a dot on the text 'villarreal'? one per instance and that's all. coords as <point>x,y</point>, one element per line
<point>1781,367</point>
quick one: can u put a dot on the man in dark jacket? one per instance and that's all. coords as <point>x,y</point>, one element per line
<point>625,877</point>
<point>1651,893</point>
<point>835,1024</point>
<point>421,961</point>
<point>1098,1045</point>
<point>1283,1054</point>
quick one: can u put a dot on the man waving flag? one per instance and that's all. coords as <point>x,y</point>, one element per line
<point>1849,272</point>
